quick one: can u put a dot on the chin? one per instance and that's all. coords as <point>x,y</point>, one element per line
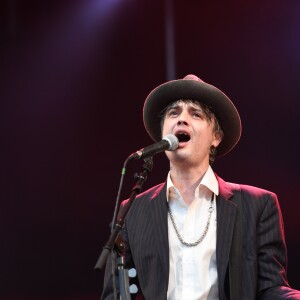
<point>179,156</point>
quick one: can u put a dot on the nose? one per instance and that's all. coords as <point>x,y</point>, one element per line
<point>181,122</point>
<point>183,117</point>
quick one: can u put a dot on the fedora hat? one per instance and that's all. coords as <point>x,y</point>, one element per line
<point>193,88</point>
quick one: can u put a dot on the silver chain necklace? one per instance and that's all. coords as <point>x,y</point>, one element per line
<point>210,210</point>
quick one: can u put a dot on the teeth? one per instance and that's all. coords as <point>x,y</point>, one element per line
<point>182,136</point>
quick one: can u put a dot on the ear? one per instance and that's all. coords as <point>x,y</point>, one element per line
<point>217,140</point>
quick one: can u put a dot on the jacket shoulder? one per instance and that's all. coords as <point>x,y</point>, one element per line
<point>245,189</point>
<point>149,194</point>
<point>256,191</point>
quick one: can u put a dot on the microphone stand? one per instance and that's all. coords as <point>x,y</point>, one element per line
<point>115,241</point>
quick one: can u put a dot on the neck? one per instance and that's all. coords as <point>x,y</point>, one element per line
<point>187,179</point>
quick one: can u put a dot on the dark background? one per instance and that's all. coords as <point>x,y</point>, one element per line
<point>74,75</point>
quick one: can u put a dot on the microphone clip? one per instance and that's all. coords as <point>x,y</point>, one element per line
<point>146,169</point>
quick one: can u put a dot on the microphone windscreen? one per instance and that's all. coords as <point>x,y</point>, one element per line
<point>173,141</point>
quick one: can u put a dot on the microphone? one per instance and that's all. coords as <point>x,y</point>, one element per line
<point>169,142</point>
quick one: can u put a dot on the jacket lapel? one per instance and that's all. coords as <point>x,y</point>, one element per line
<point>226,215</point>
<point>160,220</point>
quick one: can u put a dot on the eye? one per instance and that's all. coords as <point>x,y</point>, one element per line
<point>197,114</point>
<point>172,112</point>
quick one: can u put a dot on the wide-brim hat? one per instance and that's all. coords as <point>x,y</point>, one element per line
<point>193,88</point>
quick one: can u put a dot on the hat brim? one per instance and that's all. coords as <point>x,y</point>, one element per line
<point>223,108</point>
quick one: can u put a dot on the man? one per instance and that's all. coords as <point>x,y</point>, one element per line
<point>196,236</point>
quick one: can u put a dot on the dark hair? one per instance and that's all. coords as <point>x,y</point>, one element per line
<point>210,117</point>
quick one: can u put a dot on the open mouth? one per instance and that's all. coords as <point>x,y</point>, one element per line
<point>182,136</point>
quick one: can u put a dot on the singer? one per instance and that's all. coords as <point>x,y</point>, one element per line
<point>196,236</point>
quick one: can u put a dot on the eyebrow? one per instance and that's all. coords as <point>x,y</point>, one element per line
<point>173,105</point>
<point>192,106</point>
<point>196,108</point>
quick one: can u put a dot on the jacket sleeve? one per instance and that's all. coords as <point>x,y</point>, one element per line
<point>108,285</point>
<point>272,255</point>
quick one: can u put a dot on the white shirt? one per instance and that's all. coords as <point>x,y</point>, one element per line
<point>193,270</point>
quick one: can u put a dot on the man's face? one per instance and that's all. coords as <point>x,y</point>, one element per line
<point>195,133</point>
